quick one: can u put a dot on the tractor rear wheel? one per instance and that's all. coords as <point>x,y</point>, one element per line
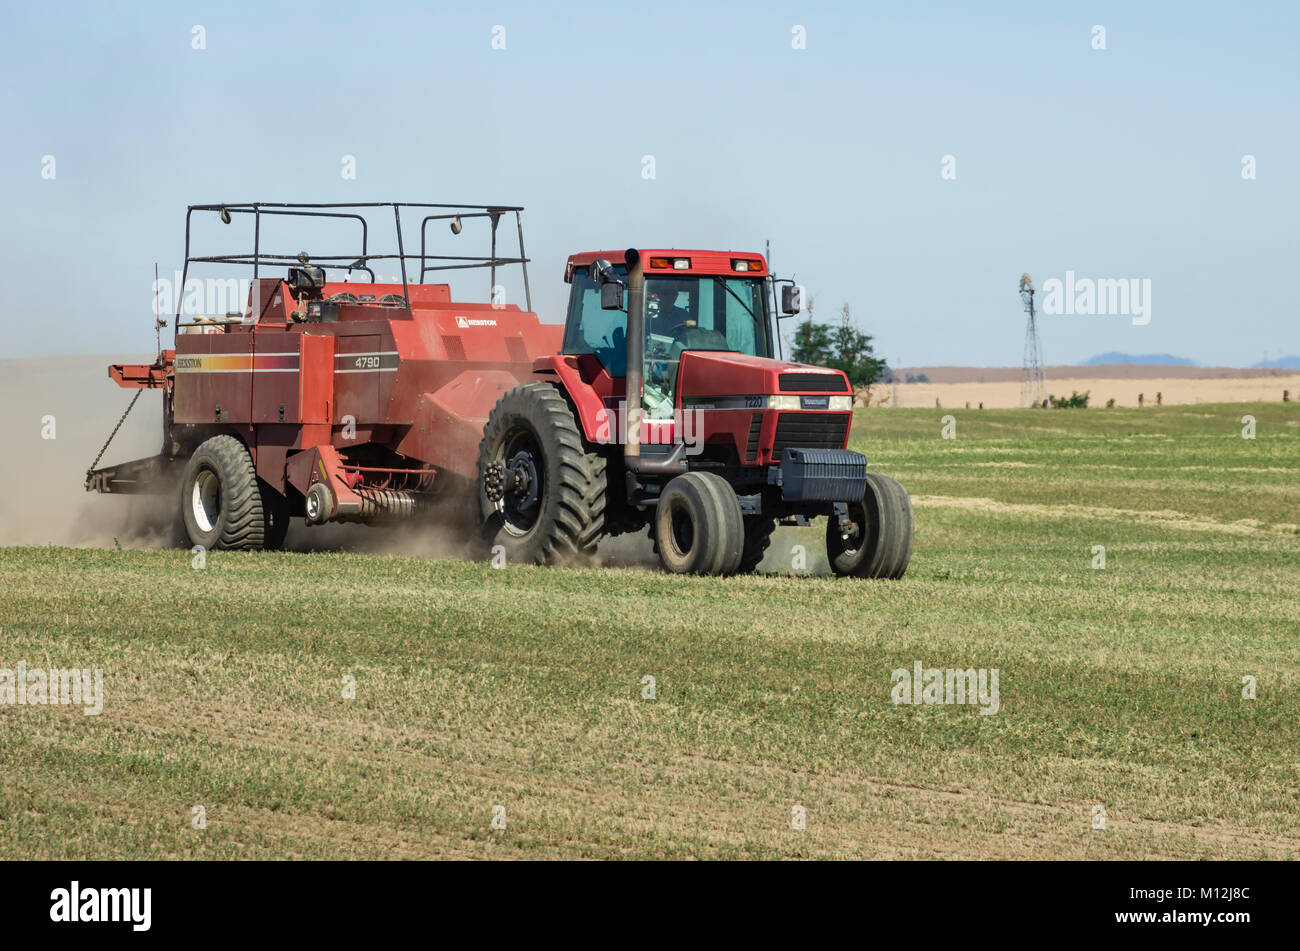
<point>881,546</point>
<point>221,499</point>
<point>541,493</point>
<point>698,526</point>
<point>758,536</point>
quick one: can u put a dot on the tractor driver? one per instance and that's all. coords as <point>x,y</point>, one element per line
<point>671,329</point>
<point>679,324</point>
<point>667,316</point>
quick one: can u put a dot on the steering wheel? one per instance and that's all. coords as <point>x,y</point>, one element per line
<point>711,339</point>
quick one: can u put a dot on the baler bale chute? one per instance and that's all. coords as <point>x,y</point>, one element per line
<point>660,405</point>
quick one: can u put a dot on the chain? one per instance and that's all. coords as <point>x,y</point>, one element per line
<point>104,448</point>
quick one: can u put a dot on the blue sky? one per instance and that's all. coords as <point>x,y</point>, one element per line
<point>1117,163</point>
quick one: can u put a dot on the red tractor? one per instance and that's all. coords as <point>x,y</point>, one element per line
<point>338,400</point>
<point>718,442</point>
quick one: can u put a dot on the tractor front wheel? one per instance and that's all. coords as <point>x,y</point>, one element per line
<point>541,493</point>
<point>879,544</point>
<point>698,526</point>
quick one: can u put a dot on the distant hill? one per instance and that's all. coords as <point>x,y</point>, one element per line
<point>1284,363</point>
<point>1148,359</point>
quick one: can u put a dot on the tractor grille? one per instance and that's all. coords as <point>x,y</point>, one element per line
<point>755,427</point>
<point>812,383</point>
<point>810,431</point>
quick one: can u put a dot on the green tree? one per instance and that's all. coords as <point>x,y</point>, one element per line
<point>853,353</point>
<point>812,341</point>
<point>812,344</point>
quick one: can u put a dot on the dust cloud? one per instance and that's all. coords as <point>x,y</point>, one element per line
<point>73,400</point>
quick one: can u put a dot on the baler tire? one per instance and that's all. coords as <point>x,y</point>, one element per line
<point>239,522</point>
<point>886,527</point>
<point>571,517</point>
<point>698,526</point>
<point>758,536</point>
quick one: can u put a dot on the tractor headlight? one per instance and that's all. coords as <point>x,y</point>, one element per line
<point>783,402</point>
<point>841,403</point>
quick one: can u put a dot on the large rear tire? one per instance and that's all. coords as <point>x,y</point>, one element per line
<point>882,545</point>
<point>221,500</point>
<point>553,509</point>
<point>698,526</point>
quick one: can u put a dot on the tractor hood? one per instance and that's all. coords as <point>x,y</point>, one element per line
<point>706,373</point>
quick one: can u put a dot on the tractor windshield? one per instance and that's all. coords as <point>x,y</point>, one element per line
<point>697,313</point>
<point>685,312</point>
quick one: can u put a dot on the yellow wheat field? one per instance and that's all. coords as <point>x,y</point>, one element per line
<point>1174,391</point>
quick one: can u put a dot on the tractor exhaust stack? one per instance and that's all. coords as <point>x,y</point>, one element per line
<point>635,357</point>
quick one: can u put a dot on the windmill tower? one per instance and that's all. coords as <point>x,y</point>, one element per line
<point>1033,382</point>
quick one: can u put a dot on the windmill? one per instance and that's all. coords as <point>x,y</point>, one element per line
<point>1033,382</point>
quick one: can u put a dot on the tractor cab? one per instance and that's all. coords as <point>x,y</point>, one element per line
<point>702,358</point>
<point>694,300</point>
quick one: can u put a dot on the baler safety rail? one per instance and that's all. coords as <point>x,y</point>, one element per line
<point>455,214</point>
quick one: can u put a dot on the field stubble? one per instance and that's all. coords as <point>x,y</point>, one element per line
<point>523,688</point>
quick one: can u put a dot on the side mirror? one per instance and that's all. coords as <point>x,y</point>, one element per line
<point>791,302</point>
<point>611,296</point>
<point>611,288</point>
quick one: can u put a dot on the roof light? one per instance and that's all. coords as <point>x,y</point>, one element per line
<point>744,264</point>
<point>677,264</point>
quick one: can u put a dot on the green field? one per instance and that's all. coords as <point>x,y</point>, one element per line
<point>1119,687</point>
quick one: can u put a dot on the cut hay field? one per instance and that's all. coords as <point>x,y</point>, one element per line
<point>522,688</point>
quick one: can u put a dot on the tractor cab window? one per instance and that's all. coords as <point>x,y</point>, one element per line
<point>697,313</point>
<point>682,313</point>
<point>592,330</point>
